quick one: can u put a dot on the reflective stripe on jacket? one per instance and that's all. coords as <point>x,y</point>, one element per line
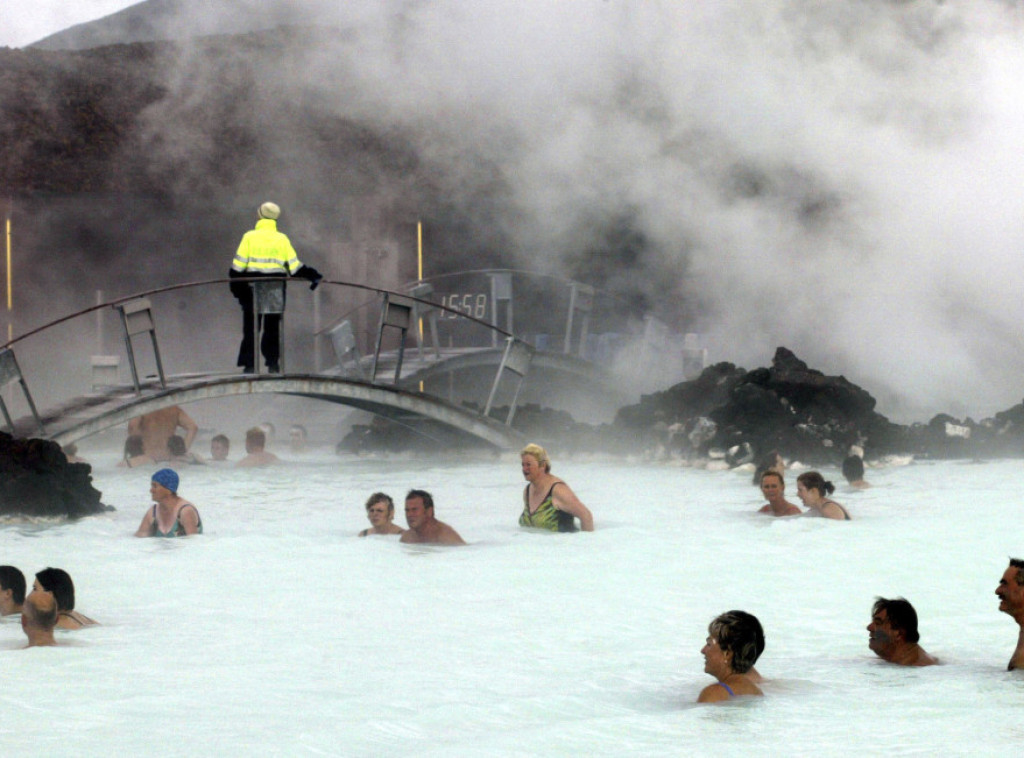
<point>264,250</point>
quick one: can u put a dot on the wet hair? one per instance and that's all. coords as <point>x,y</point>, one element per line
<point>58,581</point>
<point>853,468</point>
<point>768,461</point>
<point>813,480</point>
<point>782,481</point>
<point>221,439</point>
<point>539,453</point>
<point>256,437</point>
<point>12,579</point>
<point>741,634</point>
<point>1018,564</point>
<point>133,446</point>
<point>380,497</point>
<point>176,445</point>
<point>901,615</point>
<point>428,501</point>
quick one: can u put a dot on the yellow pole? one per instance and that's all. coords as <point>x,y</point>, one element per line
<point>10,283</point>
<point>419,250</point>
<point>419,272</point>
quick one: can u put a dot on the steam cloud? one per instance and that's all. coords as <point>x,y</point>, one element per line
<point>839,178</point>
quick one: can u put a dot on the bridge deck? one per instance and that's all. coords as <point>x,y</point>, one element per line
<point>433,417</point>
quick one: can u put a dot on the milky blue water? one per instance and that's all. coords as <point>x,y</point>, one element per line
<point>278,632</point>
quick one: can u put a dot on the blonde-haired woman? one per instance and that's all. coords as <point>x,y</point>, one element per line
<point>548,503</point>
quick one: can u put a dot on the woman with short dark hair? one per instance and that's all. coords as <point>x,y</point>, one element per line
<point>380,510</point>
<point>735,641</point>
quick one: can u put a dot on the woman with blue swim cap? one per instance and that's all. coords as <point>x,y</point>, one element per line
<point>170,516</point>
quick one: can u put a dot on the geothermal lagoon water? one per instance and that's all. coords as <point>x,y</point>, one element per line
<point>278,632</point>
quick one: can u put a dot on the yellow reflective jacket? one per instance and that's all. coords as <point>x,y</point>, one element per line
<point>264,250</point>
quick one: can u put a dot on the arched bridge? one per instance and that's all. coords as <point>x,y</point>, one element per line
<point>429,416</point>
<point>389,361</point>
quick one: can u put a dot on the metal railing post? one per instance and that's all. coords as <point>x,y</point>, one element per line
<point>501,291</point>
<point>516,358</point>
<point>136,318</point>
<point>396,312</point>
<point>9,372</point>
<point>581,298</point>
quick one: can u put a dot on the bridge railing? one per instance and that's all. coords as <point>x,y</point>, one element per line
<point>194,326</point>
<point>556,314</point>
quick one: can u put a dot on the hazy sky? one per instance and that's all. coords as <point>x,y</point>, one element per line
<point>25,21</point>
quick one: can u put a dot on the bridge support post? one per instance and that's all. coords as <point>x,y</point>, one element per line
<point>136,318</point>
<point>395,311</point>
<point>581,298</point>
<point>516,358</point>
<point>343,340</point>
<point>9,372</point>
<point>425,310</point>
<point>501,292</point>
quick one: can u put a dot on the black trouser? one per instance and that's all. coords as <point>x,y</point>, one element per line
<point>270,324</point>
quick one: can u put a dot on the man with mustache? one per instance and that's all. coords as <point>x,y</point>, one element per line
<point>893,633</point>
<point>1011,602</point>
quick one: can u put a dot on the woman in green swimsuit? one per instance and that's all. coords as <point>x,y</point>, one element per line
<point>548,503</point>
<point>171,516</point>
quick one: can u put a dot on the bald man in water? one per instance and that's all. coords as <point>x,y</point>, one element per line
<point>39,619</point>
<point>1011,602</point>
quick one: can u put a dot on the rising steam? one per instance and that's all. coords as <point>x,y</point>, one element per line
<point>839,178</point>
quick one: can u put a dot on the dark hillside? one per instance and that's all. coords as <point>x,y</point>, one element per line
<point>135,165</point>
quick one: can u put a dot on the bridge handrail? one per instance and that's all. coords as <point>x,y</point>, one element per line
<point>207,282</point>
<point>523,272</point>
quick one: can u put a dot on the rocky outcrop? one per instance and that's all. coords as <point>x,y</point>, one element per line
<point>739,416</point>
<point>37,480</point>
<point>788,407</point>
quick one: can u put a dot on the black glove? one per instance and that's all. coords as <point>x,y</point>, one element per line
<point>310,273</point>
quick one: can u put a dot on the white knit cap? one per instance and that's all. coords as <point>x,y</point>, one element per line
<point>269,210</point>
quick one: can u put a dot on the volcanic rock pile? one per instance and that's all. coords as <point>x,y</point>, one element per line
<point>37,480</point>
<point>804,415</point>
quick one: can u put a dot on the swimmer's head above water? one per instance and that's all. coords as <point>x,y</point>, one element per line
<point>58,583</point>
<point>219,447</point>
<point>539,454</point>
<point>255,440</point>
<point>168,479</point>
<point>740,634</point>
<point>380,497</point>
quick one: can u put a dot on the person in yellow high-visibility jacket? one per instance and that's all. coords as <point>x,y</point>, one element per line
<point>264,251</point>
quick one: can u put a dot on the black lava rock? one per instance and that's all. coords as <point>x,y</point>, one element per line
<point>37,480</point>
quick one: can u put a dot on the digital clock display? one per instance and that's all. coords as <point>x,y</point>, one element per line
<point>472,304</point>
